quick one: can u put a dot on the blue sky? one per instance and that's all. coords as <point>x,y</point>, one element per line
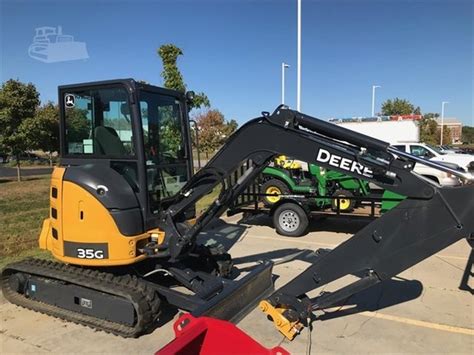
<point>418,50</point>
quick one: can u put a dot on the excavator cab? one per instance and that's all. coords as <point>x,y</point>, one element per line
<point>125,150</point>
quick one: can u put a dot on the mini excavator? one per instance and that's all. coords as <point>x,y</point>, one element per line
<point>122,223</point>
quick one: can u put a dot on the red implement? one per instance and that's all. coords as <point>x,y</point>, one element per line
<point>205,335</point>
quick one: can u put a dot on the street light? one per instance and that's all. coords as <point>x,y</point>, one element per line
<point>442,121</point>
<point>373,98</point>
<point>298,63</point>
<point>196,129</point>
<point>283,67</point>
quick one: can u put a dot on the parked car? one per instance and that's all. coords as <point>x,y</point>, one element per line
<point>446,149</point>
<point>29,157</point>
<point>426,151</point>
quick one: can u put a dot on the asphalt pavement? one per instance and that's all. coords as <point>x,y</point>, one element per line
<point>7,172</point>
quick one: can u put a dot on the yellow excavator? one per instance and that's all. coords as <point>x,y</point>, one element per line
<point>123,229</point>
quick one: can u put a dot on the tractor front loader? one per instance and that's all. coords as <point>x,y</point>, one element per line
<point>123,199</point>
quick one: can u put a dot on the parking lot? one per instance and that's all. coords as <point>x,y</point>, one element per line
<point>422,311</point>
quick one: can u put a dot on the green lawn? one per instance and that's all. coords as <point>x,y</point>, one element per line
<point>23,207</point>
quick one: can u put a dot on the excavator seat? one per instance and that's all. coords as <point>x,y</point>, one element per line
<point>107,142</point>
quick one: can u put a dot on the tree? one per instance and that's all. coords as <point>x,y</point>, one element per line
<point>173,79</point>
<point>18,102</point>
<point>467,134</point>
<point>42,130</point>
<point>213,130</point>
<point>429,131</point>
<point>78,127</point>
<point>397,107</point>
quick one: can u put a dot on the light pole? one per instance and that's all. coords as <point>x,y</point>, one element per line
<point>196,129</point>
<point>283,67</point>
<point>298,65</point>
<point>373,98</point>
<point>442,121</point>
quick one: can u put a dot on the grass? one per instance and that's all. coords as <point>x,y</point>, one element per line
<point>23,207</point>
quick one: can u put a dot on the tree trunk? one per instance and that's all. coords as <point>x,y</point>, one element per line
<point>50,159</point>
<point>18,169</point>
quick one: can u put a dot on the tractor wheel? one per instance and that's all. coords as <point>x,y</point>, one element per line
<point>290,220</point>
<point>345,205</point>
<point>273,187</point>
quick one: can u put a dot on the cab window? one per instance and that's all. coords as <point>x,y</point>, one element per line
<point>165,148</point>
<point>97,123</point>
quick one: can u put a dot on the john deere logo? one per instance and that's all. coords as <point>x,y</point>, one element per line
<point>69,101</point>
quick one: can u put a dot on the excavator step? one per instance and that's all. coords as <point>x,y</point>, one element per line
<point>121,305</point>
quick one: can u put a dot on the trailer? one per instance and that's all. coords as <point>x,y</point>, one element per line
<point>292,213</point>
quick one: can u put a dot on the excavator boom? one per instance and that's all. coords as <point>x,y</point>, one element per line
<point>431,218</point>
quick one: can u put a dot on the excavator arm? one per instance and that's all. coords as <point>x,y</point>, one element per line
<point>431,217</point>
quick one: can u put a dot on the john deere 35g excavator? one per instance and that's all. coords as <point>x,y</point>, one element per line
<point>123,198</point>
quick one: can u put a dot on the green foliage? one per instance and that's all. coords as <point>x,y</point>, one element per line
<point>42,130</point>
<point>170,131</point>
<point>77,124</point>
<point>429,131</point>
<point>213,130</point>
<point>18,102</point>
<point>397,107</point>
<point>173,79</point>
<point>468,134</point>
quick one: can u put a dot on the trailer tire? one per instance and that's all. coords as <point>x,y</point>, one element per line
<point>346,205</point>
<point>290,220</point>
<point>273,186</point>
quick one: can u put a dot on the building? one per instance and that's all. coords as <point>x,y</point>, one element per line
<point>455,129</point>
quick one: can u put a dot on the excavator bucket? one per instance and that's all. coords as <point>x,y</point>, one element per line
<point>205,335</point>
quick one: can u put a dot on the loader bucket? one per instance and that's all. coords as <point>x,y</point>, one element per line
<point>205,335</point>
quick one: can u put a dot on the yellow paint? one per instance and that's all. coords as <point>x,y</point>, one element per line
<point>46,240</point>
<point>419,323</point>
<point>287,328</point>
<point>273,190</point>
<point>344,204</point>
<point>286,163</point>
<point>95,226</point>
<point>82,218</point>
<point>157,235</point>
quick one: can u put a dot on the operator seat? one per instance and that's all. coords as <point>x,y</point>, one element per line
<point>107,142</point>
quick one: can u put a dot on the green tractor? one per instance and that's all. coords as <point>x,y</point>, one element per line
<point>332,190</point>
<point>288,177</point>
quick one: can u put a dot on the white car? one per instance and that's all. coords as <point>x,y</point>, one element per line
<point>424,151</point>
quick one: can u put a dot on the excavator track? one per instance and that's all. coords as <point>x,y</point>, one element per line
<point>130,289</point>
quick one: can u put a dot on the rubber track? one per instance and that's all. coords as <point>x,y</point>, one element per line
<point>144,299</point>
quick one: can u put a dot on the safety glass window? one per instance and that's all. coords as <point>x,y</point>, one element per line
<point>97,122</point>
<point>164,142</point>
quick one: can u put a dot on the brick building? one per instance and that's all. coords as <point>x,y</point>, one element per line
<point>455,129</point>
